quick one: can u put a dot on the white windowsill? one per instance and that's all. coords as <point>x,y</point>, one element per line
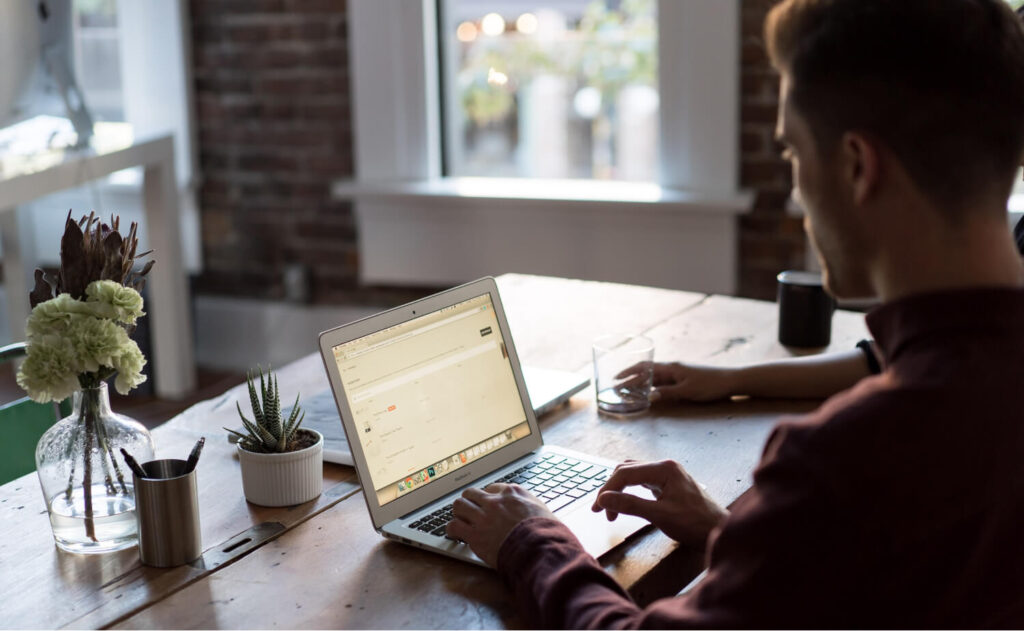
<point>547,193</point>
<point>450,230</point>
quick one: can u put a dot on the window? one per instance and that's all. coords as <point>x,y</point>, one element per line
<point>97,57</point>
<point>129,62</point>
<point>567,89</point>
<point>421,221</point>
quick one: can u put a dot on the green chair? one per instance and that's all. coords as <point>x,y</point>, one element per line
<point>22,422</point>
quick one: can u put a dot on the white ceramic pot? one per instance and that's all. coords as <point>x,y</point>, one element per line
<point>283,479</point>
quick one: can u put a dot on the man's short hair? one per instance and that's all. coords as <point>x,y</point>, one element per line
<point>939,82</point>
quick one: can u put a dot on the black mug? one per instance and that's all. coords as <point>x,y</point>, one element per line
<point>805,310</point>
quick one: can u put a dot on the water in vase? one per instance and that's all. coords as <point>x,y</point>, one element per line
<point>113,521</point>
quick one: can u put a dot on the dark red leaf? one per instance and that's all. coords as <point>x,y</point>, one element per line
<point>43,290</point>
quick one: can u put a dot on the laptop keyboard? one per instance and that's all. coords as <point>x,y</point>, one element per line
<point>557,480</point>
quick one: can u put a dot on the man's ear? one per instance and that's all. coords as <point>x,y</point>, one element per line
<point>859,159</point>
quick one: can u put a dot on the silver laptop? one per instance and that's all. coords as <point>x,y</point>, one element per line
<point>550,389</point>
<point>433,400</point>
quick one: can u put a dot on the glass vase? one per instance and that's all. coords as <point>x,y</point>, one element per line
<point>86,485</point>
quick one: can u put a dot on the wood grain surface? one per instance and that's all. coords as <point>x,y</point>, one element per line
<point>93,590</point>
<point>329,568</point>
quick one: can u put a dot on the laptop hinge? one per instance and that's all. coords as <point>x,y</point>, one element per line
<point>458,491</point>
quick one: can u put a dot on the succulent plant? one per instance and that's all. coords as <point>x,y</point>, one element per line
<point>267,432</point>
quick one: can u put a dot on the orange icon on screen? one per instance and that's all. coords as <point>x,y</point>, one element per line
<point>462,456</point>
<point>391,408</point>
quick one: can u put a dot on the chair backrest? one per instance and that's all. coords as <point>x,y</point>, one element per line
<point>22,423</point>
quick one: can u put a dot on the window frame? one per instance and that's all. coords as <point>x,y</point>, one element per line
<point>396,99</point>
<point>396,110</point>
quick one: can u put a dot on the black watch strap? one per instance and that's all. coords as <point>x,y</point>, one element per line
<point>869,355</point>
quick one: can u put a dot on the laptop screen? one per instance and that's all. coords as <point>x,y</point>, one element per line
<point>430,395</point>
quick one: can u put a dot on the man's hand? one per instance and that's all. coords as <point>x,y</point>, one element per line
<point>484,518</point>
<point>680,508</point>
<point>689,382</point>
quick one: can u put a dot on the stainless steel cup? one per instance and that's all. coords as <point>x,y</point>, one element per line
<point>167,513</point>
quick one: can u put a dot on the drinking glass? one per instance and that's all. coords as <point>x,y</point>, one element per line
<point>623,372</point>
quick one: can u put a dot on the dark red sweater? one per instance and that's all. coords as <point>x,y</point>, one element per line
<point>898,503</point>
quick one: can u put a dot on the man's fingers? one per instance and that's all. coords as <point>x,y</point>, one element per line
<point>629,473</point>
<point>634,381</point>
<point>666,373</point>
<point>615,502</point>
<point>479,496</point>
<point>673,392</point>
<point>635,474</point>
<point>466,510</point>
<point>459,529</point>
<point>636,369</point>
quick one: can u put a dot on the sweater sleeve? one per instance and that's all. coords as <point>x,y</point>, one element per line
<point>765,560</point>
<point>558,585</point>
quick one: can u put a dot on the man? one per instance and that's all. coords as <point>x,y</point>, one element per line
<point>899,502</point>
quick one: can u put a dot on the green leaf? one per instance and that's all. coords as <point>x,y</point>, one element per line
<point>257,411</point>
<point>294,420</point>
<point>270,429</point>
<point>252,428</point>
<point>273,409</point>
<point>254,446</point>
<point>295,427</point>
<point>245,420</point>
<point>295,411</point>
<point>268,439</point>
<point>263,393</point>
<point>256,432</point>
<point>242,437</point>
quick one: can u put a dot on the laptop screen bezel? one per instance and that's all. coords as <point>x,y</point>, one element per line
<point>423,496</point>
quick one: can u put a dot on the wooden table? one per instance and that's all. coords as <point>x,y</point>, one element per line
<point>321,564</point>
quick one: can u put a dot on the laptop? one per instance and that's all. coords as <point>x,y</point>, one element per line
<point>433,400</point>
<point>550,388</point>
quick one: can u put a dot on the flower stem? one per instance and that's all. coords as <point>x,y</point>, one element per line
<point>101,440</point>
<point>101,434</point>
<point>71,476</point>
<point>90,428</point>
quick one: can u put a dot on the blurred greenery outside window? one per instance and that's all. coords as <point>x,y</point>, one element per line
<point>555,89</point>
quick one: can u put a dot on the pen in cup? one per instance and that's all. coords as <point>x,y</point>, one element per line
<point>193,457</point>
<point>132,464</point>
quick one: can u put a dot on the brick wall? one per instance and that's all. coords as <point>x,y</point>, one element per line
<point>271,85</point>
<point>272,92</point>
<point>770,241</point>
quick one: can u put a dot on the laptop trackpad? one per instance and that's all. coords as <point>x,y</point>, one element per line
<point>595,532</point>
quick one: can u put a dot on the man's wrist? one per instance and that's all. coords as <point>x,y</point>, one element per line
<point>736,380</point>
